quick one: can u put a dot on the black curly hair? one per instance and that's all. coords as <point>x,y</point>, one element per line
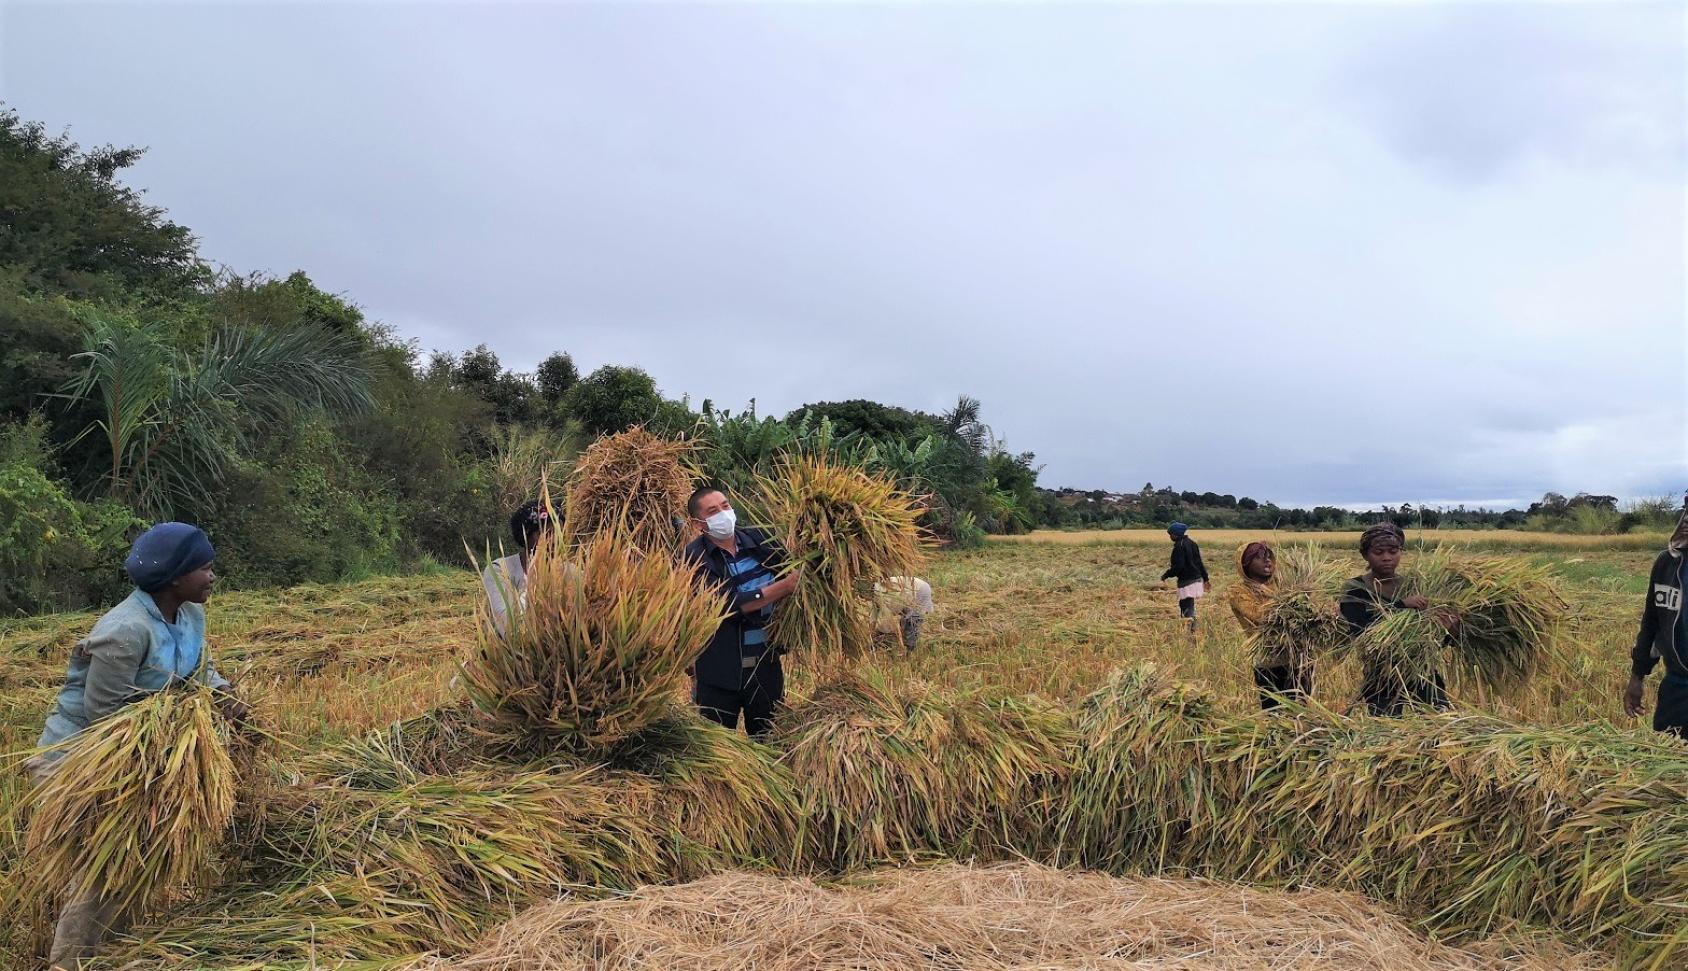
<point>528,523</point>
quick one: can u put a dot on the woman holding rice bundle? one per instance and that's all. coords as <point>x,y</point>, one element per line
<point>1366,599</point>
<point>1281,671</point>
<point>153,640</point>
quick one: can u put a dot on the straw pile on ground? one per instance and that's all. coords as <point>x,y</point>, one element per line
<point>954,918</point>
<point>847,529</point>
<point>138,804</point>
<point>897,772</point>
<point>600,647</point>
<point>1509,613</point>
<point>633,482</point>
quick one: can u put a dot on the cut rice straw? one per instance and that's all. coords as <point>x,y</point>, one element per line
<point>955,918</point>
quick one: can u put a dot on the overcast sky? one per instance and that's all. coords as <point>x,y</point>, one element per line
<point>1342,253</point>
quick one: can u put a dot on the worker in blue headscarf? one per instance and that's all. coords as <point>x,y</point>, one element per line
<point>1187,570</point>
<point>151,641</point>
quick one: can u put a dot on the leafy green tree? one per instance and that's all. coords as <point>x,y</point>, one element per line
<point>68,226</point>
<point>613,399</point>
<point>555,376</point>
<point>170,422</point>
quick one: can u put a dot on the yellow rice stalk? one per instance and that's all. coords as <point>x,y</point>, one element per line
<point>138,805</point>
<point>1301,621</point>
<point>1510,617</point>
<point>600,648</point>
<point>1138,784</point>
<point>899,773</point>
<point>725,801</point>
<point>632,481</point>
<point>440,857</point>
<point>848,529</point>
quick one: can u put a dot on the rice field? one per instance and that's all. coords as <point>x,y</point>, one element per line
<point>1020,629</point>
<point>1484,539</point>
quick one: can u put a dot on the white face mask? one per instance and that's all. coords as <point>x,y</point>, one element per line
<point>720,525</point>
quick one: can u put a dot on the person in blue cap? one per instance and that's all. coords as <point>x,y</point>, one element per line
<point>152,640</point>
<point>1188,570</point>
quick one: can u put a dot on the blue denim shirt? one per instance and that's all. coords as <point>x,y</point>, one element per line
<point>131,652</point>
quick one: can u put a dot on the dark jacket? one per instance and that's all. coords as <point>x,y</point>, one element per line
<point>1187,565</point>
<point>1362,606</point>
<point>1659,616</point>
<point>722,663</point>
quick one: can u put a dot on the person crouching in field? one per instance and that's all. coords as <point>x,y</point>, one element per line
<point>505,579</point>
<point>151,641</point>
<point>1280,673</point>
<point>900,609</point>
<point>1664,636</point>
<point>1188,570</point>
<point>739,671</point>
<point>1365,599</point>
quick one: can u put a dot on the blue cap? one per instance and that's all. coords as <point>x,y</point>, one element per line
<point>165,552</point>
<point>1178,529</point>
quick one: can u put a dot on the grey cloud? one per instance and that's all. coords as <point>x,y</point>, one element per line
<point>1306,252</point>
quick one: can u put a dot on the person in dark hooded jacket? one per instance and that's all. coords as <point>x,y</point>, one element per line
<point>1188,570</point>
<point>1664,637</point>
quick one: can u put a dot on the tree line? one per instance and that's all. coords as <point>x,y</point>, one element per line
<point>139,383</point>
<point>1151,506</point>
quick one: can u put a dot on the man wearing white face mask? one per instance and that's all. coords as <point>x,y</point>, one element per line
<point>739,671</point>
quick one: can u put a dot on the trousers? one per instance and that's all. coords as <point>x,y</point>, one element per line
<point>757,698</point>
<point>1292,682</point>
<point>1671,715</point>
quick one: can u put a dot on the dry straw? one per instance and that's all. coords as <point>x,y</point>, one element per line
<point>138,804</point>
<point>599,648</point>
<point>847,529</point>
<point>1003,918</point>
<point>634,482</point>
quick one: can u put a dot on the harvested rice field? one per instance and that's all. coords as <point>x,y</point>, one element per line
<point>382,827</point>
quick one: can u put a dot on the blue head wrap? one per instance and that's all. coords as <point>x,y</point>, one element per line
<point>1177,529</point>
<point>165,552</point>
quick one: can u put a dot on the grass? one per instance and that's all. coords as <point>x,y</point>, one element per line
<point>327,665</point>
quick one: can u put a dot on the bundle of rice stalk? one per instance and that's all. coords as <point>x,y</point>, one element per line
<point>1301,620</point>
<point>1511,615</point>
<point>847,529</point>
<point>633,481</point>
<point>138,804</point>
<point>724,801</point>
<point>599,648</point>
<point>1139,783</point>
<point>1494,618</point>
<point>900,773</point>
<point>441,857</point>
